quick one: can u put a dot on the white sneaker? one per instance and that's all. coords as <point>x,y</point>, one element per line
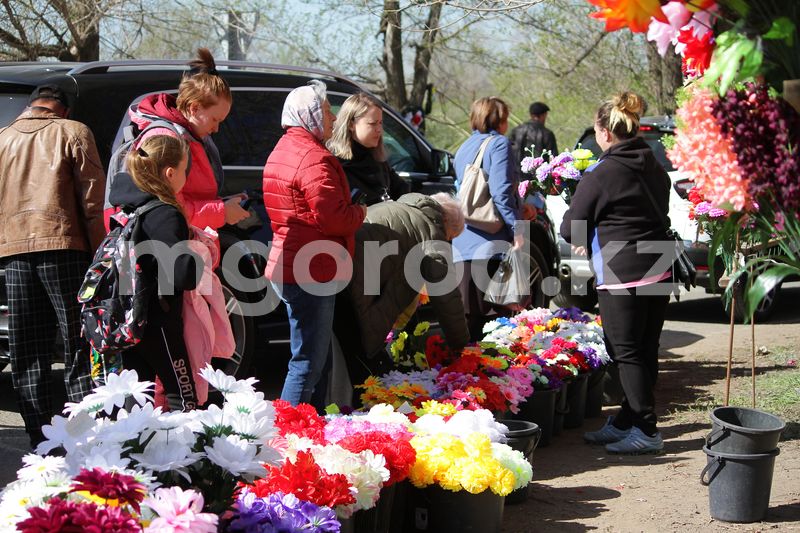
<point>606,434</point>
<point>637,443</point>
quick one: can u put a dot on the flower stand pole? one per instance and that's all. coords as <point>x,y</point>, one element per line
<point>576,401</point>
<point>437,510</point>
<point>594,393</point>
<point>539,408</point>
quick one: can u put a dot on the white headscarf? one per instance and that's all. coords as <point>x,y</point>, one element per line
<point>303,108</point>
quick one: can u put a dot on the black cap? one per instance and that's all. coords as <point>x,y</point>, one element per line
<point>49,92</point>
<point>538,108</point>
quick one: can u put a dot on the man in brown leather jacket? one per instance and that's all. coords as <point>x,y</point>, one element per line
<point>51,200</point>
<point>533,133</point>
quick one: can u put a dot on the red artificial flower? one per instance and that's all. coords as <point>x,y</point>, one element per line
<point>695,196</point>
<point>634,14</point>
<point>110,486</point>
<point>302,420</point>
<point>437,352</point>
<point>697,54</point>
<point>468,363</point>
<point>399,454</point>
<point>62,516</point>
<point>307,481</point>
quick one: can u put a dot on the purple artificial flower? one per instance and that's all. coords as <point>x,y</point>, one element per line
<point>251,511</point>
<point>591,357</point>
<point>283,513</point>
<point>543,172</point>
<point>571,313</point>
<point>562,159</point>
<point>529,164</point>
<point>322,519</point>
<point>716,212</point>
<point>702,208</point>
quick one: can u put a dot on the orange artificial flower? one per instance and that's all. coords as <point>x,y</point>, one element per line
<point>634,14</point>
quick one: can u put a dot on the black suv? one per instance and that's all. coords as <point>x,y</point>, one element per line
<point>103,91</point>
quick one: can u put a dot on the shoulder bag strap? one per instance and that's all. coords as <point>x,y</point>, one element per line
<point>482,150</point>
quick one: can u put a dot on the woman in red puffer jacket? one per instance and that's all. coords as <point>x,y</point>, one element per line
<point>314,223</point>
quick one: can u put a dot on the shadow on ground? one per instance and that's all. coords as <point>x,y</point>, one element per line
<point>584,502</point>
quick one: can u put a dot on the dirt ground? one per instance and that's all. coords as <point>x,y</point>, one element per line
<point>577,487</point>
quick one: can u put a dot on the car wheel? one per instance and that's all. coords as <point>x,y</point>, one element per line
<point>243,328</point>
<point>762,312</point>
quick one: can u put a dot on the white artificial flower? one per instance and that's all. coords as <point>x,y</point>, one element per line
<point>120,386</point>
<point>68,433</point>
<point>166,452</point>
<point>40,468</point>
<point>250,403</point>
<point>385,413</point>
<point>178,419</point>
<point>129,425</point>
<point>365,471</point>
<point>106,456</point>
<point>212,417</point>
<point>226,384</point>
<point>259,430</point>
<point>237,456</point>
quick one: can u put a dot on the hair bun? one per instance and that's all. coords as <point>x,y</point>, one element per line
<point>629,103</point>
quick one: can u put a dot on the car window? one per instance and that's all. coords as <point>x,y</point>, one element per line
<point>252,128</point>
<point>11,105</point>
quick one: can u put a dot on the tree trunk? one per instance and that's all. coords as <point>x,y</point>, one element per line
<point>392,61</point>
<point>422,61</point>
<point>666,77</point>
<point>234,36</point>
<point>83,23</point>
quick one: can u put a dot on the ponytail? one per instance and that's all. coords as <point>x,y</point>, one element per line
<point>203,84</point>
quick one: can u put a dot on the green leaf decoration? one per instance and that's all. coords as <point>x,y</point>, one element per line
<point>735,58</point>
<point>782,29</point>
<point>739,6</point>
<point>764,283</point>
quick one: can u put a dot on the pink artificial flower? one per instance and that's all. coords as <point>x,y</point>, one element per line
<point>663,34</point>
<point>706,156</point>
<point>179,511</point>
<point>522,190</point>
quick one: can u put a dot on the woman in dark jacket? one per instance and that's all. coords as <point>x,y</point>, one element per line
<point>357,142</point>
<point>613,217</point>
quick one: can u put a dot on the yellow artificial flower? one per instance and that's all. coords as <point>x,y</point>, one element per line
<point>421,329</point>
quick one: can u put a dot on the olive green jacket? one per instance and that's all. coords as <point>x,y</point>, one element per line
<point>414,219</point>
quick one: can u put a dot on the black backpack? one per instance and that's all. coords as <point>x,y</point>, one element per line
<point>114,292</point>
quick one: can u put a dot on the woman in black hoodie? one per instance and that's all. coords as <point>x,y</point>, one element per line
<point>357,142</point>
<point>157,171</point>
<point>623,228</point>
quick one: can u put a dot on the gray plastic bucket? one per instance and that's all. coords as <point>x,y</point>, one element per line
<point>523,436</point>
<point>743,430</point>
<point>738,484</point>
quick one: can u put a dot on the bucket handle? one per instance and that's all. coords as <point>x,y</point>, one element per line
<point>717,459</point>
<point>537,438</point>
<point>712,439</point>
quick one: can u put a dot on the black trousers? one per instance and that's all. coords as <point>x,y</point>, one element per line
<point>632,326</point>
<point>42,289</point>
<point>162,353</point>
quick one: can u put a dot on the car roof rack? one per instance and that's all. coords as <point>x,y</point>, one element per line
<point>95,67</point>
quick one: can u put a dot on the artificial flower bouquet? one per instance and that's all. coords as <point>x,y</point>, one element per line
<point>45,497</point>
<point>408,350</point>
<point>464,450</point>
<point>551,175</point>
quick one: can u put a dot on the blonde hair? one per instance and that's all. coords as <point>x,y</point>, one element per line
<point>488,113</point>
<point>341,142</point>
<point>452,213</point>
<point>202,85</point>
<point>146,165</point>
<point>620,114</point>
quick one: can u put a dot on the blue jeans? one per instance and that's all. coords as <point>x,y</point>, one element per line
<point>311,328</point>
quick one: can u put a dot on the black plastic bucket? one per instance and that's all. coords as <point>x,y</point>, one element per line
<point>561,410</point>
<point>594,394</point>
<point>738,484</point>
<point>539,408</point>
<point>437,510</point>
<point>743,430</point>
<point>523,436</point>
<point>379,518</point>
<point>576,401</point>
